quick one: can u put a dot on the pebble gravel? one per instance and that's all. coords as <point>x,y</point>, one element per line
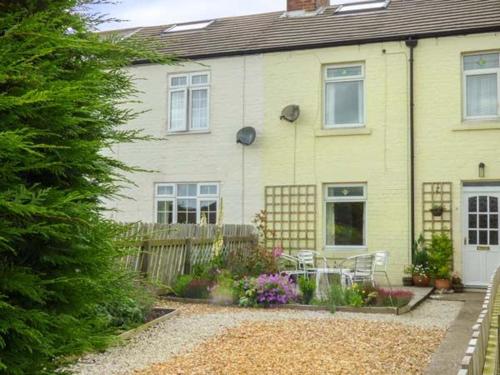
<point>201,325</point>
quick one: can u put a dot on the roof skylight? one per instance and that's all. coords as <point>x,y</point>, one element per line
<point>359,7</point>
<point>188,26</point>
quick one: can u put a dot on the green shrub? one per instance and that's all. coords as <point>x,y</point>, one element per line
<point>440,252</point>
<point>63,103</point>
<point>246,292</point>
<point>198,288</point>
<point>251,261</point>
<point>128,310</point>
<point>181,285</point>
<point>307,287</point>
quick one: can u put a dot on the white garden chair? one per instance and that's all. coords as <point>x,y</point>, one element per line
<point>361,270</point>
<point>294,267</point>
<point>381,262</point>
<point>308,261</point>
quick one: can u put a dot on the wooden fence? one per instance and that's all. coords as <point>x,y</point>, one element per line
<point>483,346</point>
<point>164,252</point>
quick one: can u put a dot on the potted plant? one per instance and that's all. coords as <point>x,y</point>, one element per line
<point>456,283</point>
<point>421,276</point>
<point>437,210</point>
<point>408,279</point>
<point>440,252</point>
<point>420,270</point>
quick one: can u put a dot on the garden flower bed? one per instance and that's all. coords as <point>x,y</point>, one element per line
<point>254,277</point>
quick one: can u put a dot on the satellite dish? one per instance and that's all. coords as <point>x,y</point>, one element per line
<point>246,136</point>
<point>290,113</point>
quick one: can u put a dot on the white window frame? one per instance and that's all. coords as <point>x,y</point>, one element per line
<point>188,88</point>
<point>327,80</point>
<point>364,199</point>
<point>174,197</point>
<point>165,198</point>
<point>476,72</point>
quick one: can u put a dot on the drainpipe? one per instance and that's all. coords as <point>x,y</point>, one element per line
<point>411,43</point>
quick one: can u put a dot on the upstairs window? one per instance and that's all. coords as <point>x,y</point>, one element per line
<point>345,212</point>
<point>482,85</point>
<point>188,100</point>
<point>189,203</point>
<point>344,96</point>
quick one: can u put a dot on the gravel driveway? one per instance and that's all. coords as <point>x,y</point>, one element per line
<point>169,344</point>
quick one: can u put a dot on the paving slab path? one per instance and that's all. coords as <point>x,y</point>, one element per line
<point>446,360</point>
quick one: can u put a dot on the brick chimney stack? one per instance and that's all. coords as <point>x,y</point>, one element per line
<point>307,5</point>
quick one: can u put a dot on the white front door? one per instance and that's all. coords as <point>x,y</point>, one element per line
<point>481,250</point>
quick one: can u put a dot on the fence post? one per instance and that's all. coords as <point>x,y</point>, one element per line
<point>187,259</point>
<point>144,258</point>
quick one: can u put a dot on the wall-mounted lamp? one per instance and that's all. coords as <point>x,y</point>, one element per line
<point>482,167</point>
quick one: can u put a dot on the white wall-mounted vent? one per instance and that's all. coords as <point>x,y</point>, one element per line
<point>362,6</point>
<point>188,26</point>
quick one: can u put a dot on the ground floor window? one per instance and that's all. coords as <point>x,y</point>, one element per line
<point>345,213</point>
<point>186,203</point>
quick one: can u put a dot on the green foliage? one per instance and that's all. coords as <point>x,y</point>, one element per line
<point>125,308</point>
<point>198,288</point>
<point>360,295</point>
<point>307,286</point>
<point>181,285</point>
<point>253,260</point>
<point>440,252</point>
<point>246,292</point>
<point>337,295</point>
<point>224,292</point>
<point>62,104</point>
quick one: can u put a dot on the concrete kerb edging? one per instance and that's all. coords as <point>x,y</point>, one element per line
<point>366,310</point>
<point>133,332</point>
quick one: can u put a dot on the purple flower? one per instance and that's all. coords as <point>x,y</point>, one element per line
<point>275,289</point>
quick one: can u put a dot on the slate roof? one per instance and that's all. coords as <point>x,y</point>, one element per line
<point>268,32</point>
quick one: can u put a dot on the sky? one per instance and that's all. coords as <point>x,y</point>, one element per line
<point>161,12</point>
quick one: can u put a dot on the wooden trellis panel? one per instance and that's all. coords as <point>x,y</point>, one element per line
<point>291,216</point>
<point>437,194</point>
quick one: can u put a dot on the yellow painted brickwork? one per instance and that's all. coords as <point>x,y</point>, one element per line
<point>304,153</point>
<point>448,148</point>
<point>378,154</point>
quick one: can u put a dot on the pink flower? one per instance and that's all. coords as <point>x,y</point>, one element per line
<point>278,251</point>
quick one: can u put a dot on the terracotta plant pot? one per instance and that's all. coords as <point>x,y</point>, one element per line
<point>442,284</point>
<point>421,281</point>
<point>408,281</point>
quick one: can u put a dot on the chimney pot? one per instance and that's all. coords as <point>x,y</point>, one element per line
<point>306,5</point>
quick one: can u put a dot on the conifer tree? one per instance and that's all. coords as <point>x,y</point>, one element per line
<point>62,95</point>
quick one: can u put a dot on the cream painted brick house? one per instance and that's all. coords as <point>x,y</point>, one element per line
<point>361,168</point>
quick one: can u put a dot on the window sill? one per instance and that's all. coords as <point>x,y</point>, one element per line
<point>338,249</point>
<point>189,132</point>
<point>342,132</point>
<point>467,125</point>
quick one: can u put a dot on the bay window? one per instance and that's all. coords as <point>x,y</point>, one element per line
<point>188,100</point>
<point>344,96</point>
<point>187,203</point>
<point>345,214</point>
<point>481,85</point>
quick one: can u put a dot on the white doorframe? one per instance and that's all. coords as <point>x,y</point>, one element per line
<point>480,243</point>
